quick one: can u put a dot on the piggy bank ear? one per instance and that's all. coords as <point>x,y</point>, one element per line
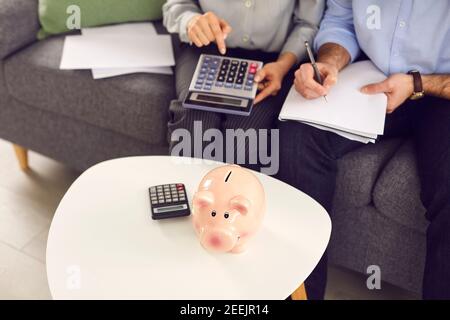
<point>203,198</point>
<point>241,204</point>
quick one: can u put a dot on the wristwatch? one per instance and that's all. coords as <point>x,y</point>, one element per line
<point>418,92</point>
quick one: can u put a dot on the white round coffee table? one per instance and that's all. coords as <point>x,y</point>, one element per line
<point>103,243</point>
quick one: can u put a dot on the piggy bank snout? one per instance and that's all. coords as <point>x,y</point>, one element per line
<point>218,239</point>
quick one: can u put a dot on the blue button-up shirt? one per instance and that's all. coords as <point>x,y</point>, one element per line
<point>397,35</point>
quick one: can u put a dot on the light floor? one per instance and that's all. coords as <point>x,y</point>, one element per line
<point>27,203</point>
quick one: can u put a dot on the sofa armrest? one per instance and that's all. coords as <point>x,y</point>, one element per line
<point>19,24</point>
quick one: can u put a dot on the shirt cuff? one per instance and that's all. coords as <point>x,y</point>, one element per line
<point>296,47</point>
<point>184,21</point>
<point>347,41</point>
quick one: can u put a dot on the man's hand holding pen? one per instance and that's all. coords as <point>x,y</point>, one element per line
<point>306,84</point>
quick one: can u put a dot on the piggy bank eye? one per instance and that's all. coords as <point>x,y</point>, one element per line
<point>213,213</point>
<point>226,215</point>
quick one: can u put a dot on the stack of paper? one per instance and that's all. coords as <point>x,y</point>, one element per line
<point>120,49</point>
<point>348,112</point>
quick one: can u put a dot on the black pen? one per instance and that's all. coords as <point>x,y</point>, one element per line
<point>317,76</point>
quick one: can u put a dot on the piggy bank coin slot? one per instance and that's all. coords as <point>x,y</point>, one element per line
<point>228,176</point>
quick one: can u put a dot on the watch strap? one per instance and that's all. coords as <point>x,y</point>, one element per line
<point>417,79</point>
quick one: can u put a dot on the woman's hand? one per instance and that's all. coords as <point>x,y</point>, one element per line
<point>270,77</point>
<point>207,28</point>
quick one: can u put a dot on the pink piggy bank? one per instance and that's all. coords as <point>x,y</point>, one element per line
<point>228,208</point>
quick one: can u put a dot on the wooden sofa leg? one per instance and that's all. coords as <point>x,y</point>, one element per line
<point>22,156</point>
<point>300,293</point>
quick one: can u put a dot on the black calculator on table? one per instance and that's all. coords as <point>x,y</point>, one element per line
<point>223,84</point>
<point>169,201</point>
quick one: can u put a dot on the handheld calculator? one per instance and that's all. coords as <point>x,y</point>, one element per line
<point>169,201</point>
<point>223,84</point>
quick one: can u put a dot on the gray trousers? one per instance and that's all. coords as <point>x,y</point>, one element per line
<point>263,115</point>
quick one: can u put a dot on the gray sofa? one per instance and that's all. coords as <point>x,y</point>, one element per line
<point>378,218</point>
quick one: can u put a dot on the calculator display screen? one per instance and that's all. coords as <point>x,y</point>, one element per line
<point>230,101</point>
<point>170,208</point>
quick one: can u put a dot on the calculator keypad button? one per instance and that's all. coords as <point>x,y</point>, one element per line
<point>207,87</point>
<point>248,88</point>
<point>219,84</point>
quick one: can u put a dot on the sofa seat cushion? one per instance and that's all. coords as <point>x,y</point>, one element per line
<point>397,191</point>
<point>135,105</point>
<point>359,170</point>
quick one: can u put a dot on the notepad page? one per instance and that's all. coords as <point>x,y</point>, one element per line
<point>347,108</point>
<point>345,134</point>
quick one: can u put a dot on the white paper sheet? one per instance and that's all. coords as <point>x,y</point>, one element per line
<point>348,109</point>
<point>117,51</point>
<point>344,134</point>
<point>139,28</point>
<point>114,72</point>
<point>125,29</point>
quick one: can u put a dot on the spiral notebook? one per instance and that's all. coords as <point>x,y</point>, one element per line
<point>348,112</point>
